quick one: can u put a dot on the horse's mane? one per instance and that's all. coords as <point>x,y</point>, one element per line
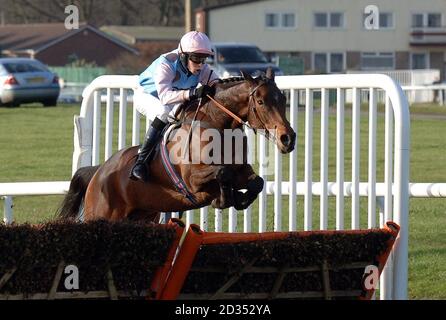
<point>229,82</point>
<point>221,85</point>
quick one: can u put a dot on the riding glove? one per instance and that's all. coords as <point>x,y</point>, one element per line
<point>201,92</point>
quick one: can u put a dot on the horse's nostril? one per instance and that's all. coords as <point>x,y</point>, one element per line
<point>285,139</point>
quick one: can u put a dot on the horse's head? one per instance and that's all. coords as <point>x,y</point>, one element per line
<point>267,110</point>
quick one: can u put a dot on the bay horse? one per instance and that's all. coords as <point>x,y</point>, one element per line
<point>109,194</point>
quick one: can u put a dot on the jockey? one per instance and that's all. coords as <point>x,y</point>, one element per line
<point>168,82</point>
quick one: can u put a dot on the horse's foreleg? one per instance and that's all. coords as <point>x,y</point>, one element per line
<point>224,177</point>
<point>246,178</point>
<point>199,178</point>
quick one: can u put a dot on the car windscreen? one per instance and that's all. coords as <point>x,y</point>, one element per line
<point>240,55</point>
<point>21,67</point>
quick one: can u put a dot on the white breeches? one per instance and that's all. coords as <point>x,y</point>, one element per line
<point>151,106</point>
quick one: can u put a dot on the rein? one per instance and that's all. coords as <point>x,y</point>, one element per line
<point>227,111</point>
<point>238,119</point>
<point>233,115</point>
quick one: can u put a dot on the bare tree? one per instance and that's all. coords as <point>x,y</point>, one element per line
<point>43,9</point>
<point>100,12</point>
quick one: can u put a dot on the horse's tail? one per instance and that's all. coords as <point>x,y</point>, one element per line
<point>69,209</point>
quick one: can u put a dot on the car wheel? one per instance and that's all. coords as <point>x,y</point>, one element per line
<point>50,103</point>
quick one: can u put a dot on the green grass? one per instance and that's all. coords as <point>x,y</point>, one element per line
<point>36,144</point>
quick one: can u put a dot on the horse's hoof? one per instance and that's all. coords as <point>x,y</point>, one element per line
<point>240,200</point>
<point>255,186</point>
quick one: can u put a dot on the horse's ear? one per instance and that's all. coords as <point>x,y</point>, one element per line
<point>247,76</point>
<point>270,73</point>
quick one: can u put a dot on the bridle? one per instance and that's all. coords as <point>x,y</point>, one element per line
<point>236,117</point>
<point>251,108</point>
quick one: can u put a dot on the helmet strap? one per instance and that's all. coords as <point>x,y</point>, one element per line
<point>184,57</point>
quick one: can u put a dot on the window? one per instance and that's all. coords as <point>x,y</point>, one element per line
<point>20,67</point>
<point>336,62</point>
<point>280,20</point>
<point>426,20</point>
<point>434,20</point>
<point>288,20</point>
<point>320,20</point>
<point>417,20</point>
<point>240,54</point>
<point>3,71</point>
<point>328,20</point>
<point>336,20</point>
<point>386,20</point>
<point>272,20</point>
<point>328,62</point>
<point>320,62</point>
<point>419,61</point>
<point>377,60</point>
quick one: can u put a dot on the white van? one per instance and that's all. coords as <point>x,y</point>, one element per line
<point>231,57</point>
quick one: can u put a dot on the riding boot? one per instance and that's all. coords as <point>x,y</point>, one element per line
<point>145,154</point>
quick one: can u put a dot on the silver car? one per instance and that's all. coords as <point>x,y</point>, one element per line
<point>24,80</point>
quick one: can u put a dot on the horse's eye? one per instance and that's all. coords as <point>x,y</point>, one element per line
<point>260,102</point>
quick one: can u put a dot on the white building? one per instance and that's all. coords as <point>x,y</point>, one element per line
<point>331,35</point>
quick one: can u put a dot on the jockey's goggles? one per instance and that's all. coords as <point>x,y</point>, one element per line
<point>198,59</point>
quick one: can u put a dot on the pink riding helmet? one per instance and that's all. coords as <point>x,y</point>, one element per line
<point>195,42</point>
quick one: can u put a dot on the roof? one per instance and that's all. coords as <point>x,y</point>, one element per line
<point>29,36</point>
<point>37,37</point>
<point>220,6</point>
<point>132,34</point>
<point>5,60</point>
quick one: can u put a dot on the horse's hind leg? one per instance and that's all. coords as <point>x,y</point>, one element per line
<point>225,176</point>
